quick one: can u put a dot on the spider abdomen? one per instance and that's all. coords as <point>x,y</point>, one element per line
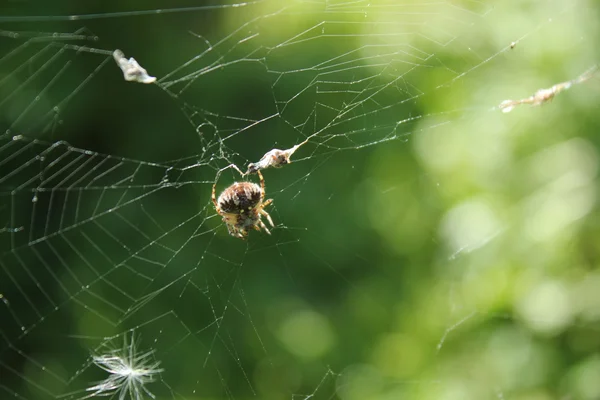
<point>241,205</point>
<point>241,197</point>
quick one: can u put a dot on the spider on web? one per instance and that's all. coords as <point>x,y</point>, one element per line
<point>242,204</point>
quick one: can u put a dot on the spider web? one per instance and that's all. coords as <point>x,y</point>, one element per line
<point>106,223</point>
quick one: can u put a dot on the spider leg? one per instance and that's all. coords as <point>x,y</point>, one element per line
<point>214,197</point>
<point>267,216</point>
<point>262,225</point>
<point>262,185</point>
<point>233,231</point>
<point>227,167</point>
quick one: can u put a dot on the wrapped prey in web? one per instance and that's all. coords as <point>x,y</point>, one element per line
<point>275,158</point>
<point>545,95</point>
<point>132,71</point>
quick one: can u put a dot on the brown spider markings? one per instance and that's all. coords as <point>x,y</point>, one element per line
<point>241,205</point>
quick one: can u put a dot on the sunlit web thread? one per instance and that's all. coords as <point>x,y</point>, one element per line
<point>93,16</point>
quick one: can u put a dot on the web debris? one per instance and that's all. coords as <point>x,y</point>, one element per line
<point>129,372</point>
<point>12,230</point>
<point>132,71</point>
<point>275,158</point>
<point>545,95</point>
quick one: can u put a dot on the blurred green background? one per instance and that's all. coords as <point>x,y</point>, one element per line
<point>427,245</point>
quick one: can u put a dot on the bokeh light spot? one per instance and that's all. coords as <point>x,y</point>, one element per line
<point>306,334</point>
<point>546,307</point>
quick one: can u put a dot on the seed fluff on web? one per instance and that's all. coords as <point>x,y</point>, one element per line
<point>129,372</point>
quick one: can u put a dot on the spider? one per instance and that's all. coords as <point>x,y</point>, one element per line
<point>241,205</point>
